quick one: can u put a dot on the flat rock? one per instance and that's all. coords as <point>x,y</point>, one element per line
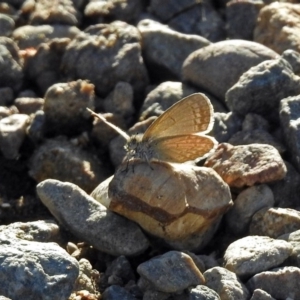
<point>90,221</point>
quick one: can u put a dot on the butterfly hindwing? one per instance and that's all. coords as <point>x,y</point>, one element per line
<point>183,147</point>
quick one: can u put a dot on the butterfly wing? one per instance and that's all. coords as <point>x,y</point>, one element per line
<point>190,115</point>
<point>183,148</point>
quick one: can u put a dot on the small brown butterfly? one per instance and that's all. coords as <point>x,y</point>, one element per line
<point>178,135</point>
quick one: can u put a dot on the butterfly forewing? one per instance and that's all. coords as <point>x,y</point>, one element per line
<point>190,115</point>
<point>183,147</point>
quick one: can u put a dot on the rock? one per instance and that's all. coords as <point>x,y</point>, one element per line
<point>260,89</point>
<point>294,239</point>
<point>293,58</point>
<point>7,25</point>
<point>29,105</point>
<point>90,221</point>
<point>254,254</point>
<point>290,123</point>
<point>277,26</point>
<point>165,49</point>
<point>236,14</point>
<point>116,292</point>
<point>168,93</point>
<point>11,73</point>
<point>247,203</point>
<point>257,136</point>
<point>259,294</point>
<point>94,51</point>
<point>254,121</point>
<point>60,159</point>
<point>32,266</point>
<point>200,66</point>
<point>164,199</point>
<point>12,134</point>
<point>275,221</point>
<point>226,284</point>
<point>171,272</point>
<point>105,11</point>
<point>87,279</point>
<point>43,67</point>
<point>65,107</point>
<point>6,96</point>
<point>247,165</point>
<point>35,128</point>
<point>31,36</point>
<point>44,12</point>
<point>287,190</point>
<point>280,283</point>
<point>226,125</point>
<point>202,292</point>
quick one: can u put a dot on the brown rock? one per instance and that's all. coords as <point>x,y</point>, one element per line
<point>247,165</point>
<point>179,203</point>
<point>278,26</point>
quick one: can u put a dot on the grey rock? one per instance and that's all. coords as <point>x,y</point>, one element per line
<point>43,68</point>
<point>293,58</point>
<point>155,295</point>
<point>287,190</point>
<point>31,36</point>
<point>35,129</point>
<point>6,96</point>
<point>254,122</point>
<point>106,54</point>
<point>105,11</point>
<point>233,57</point>
<point>259,294</point>
<point>11,73</point>
<point>247,203</point>
<point>236,14</point>
<point>12,134</point>
<point>280,283</point>
<point>7,25</point>
<point>290,123</point>
<point>90,221</point>
<point>29,105</point>
<point>294,239</point>
<point>253,254</point>
<point>115,292</point>
<point>44,12</point>
<point>226,124</point>
<point>201,19</point>
<point>226,284</point>
<point>257,136</point>
<point>32,268</point>
<point>275,221</point>
<point>261,88</point>
<point>168,93</point>
<point>62,160</point>
<point>171,272</point>
<point>202,292</point>
<point>65,107</point>
<point>165,48</point>
<point>209,261</point>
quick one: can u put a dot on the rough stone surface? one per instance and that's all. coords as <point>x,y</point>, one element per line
<point>260,89</point>
<point>165,49</point>
<point>247,165</point>
<point>278,26</point>
<point>247,203</point>
<point>275,221</point>
<point>254,254</point>
<point>226,284</point>
<point>280,283</point>
<point>90,221</point>
<point>202,292</point>
<point>233,57</point>
<point>171,272</point>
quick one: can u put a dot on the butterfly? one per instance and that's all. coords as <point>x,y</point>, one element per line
<point>177,135</point>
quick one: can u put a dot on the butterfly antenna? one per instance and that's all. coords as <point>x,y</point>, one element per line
<point>114,127</point>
